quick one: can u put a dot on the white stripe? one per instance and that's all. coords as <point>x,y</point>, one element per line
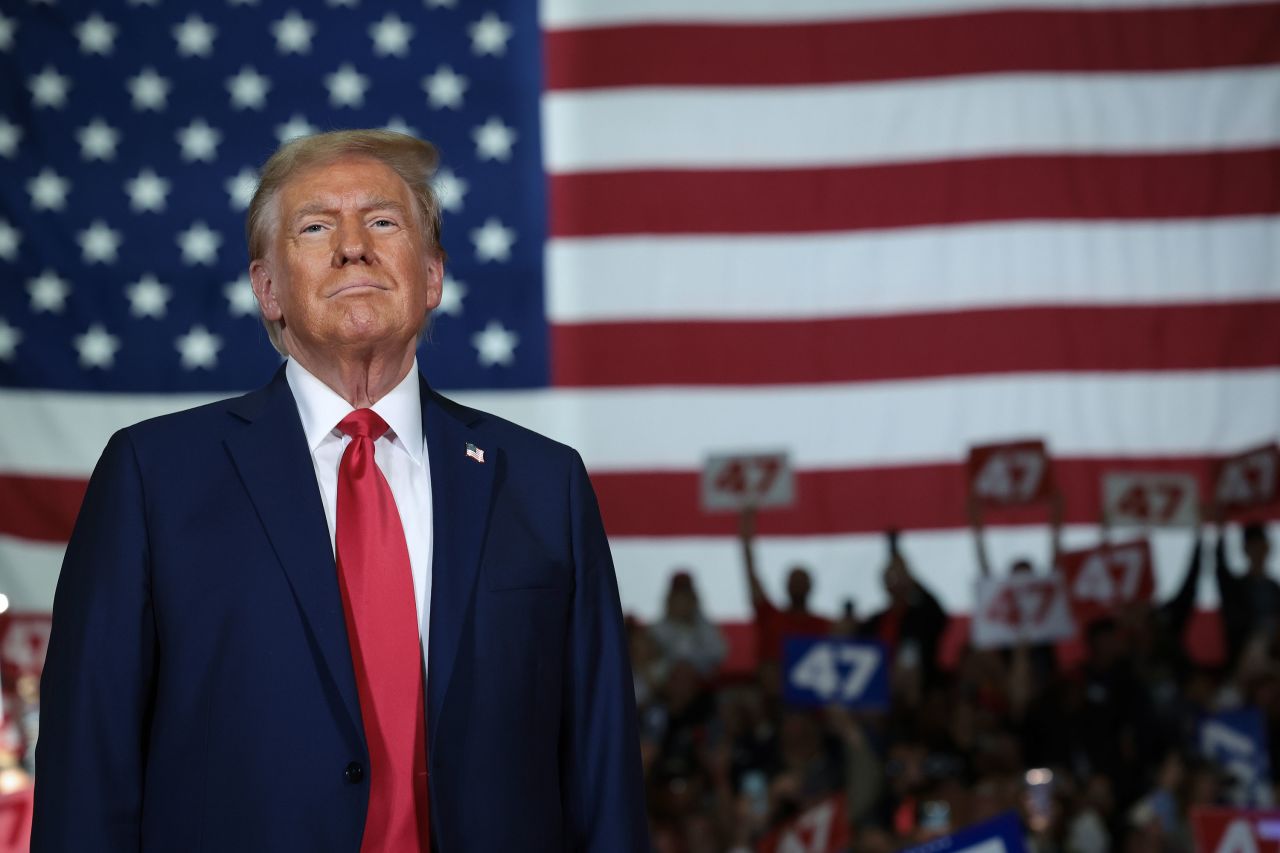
<point>29,573</point>
<point>849,566</point>
<point>846,566</point>
<point>907,121</point>
<point>566,14</point>
<point>823,426</point>
<point>918,269</point>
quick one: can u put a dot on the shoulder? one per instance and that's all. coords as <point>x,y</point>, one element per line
<point>515,440</point>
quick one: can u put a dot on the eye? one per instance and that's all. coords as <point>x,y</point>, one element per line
<point>383,222</point>
<point>313,228</point>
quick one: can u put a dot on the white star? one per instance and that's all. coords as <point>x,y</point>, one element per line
<point>49,88</point>
<point>248,89</point>
<point>195,36</point>
<point>241,187</point>
<point>144,2</point>
<point>495,344</point>
<point>441,4</point>
<point>199,244</point>
<point>494,140</point>
<point>48,292</point>
<point>199,348</point>
<point>147,297</point>
<point>48,190</point>
<point>244,2</point>
<point>10,337</point>
<point>147,192</point>
<point>99,243</point>
<point>149,90</point>
<point>10,237</point>
<point>489,35</point>
<point>97,347</point>
<point>391,36</point>
<point>199,141</point>
<point>346,86</point>
<point>350,4</point>
<point>296,126</point>
<point>7,26</point>
<point>444,88</point>
<point>450,189</point>
<point>10,134</point>
<point>240,299</point>
<point>98,140</point>
<point>396,124</point>
<point>96,35</point>
<point>493,241</point>
<point>451,296</point>
<point>293,33</point>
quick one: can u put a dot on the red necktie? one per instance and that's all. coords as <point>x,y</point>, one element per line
<point>382,625</point>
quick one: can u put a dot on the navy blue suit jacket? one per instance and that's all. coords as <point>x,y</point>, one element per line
<point>198,693</point>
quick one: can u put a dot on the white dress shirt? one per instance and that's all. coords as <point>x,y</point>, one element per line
<point>401,455</point>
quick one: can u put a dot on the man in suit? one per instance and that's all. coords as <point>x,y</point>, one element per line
<point>340,613</point>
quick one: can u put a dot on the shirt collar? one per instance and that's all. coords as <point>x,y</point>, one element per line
<point>320,408</point>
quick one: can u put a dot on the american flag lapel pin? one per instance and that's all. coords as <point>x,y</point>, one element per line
<point>475,452</point>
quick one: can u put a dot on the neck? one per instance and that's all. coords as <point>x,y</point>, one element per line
<point>362,380</point>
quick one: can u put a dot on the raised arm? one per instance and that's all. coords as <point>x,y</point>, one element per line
<point>979,542</point>
<point>1056,511</point>
<point>746,538</point>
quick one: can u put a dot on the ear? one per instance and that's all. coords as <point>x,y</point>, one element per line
<point>264,287</point>
<point>435,280</point>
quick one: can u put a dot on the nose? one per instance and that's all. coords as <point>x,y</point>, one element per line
<point>352,244</point>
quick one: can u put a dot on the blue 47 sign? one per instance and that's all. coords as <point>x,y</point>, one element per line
<point>826,670</point>
<point>1236,741</point>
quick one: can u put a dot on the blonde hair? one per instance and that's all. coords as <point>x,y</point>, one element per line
<point>413,159</point>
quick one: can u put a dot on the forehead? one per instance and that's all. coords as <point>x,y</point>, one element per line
<point>345,181</point>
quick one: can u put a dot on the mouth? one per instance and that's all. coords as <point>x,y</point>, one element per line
<point>357,286</point>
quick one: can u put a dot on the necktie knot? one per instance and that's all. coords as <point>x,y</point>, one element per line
<point>363,423</point>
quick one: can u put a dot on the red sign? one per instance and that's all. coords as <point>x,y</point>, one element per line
<point>820,829</point>
<point>24,637</point>
<point>1248,479</point>
<point>1009,474</point>
<point>1101,579</point>
<point>1224,830</point>
<point>15,822</point>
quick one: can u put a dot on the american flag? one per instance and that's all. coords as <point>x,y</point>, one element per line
<point>872,233</point>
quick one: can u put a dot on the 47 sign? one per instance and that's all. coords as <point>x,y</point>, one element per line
<point>735,481</point>
<point>821,671</point>
<point>1149,498</point>
<point>1249,479</point>
<point>1021,608</point>
<point>1101,579</point>
<point>1010,473</point>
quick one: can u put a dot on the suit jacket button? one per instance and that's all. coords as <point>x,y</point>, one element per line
<point>354,773</point>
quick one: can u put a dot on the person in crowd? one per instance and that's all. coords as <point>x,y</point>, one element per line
<point>912,624</point>
<point>1249,601</point>
<point>684,633</point>
<point>773,624</point>
<point>1021,564</point>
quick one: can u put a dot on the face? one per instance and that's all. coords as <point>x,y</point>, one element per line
<point>798,587</point>
<point>349,268</point>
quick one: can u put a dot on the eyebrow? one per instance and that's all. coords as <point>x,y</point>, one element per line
<point>316,208</point>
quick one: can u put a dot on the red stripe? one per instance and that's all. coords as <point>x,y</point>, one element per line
<point>863,500</point>
<point>39,508</point>
<point>1145,186</point>
<point>635,503</point>
<point>906,346</point>
<point>840,51</point>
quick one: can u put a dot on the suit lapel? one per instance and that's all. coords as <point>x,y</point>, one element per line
<point>460,499</point>
<point>275,466</point>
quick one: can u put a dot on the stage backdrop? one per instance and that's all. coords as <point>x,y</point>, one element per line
<point>870,233</point>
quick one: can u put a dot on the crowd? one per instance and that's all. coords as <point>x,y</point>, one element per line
<point>1097,755</point>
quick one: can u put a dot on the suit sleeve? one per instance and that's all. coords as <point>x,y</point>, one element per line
<point>603,794</point>
<point>96,688</point>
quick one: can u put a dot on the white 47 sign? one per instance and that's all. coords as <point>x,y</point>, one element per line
<point>1149,498</point>
<point>1021,608</point>
<point>735,481</point>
